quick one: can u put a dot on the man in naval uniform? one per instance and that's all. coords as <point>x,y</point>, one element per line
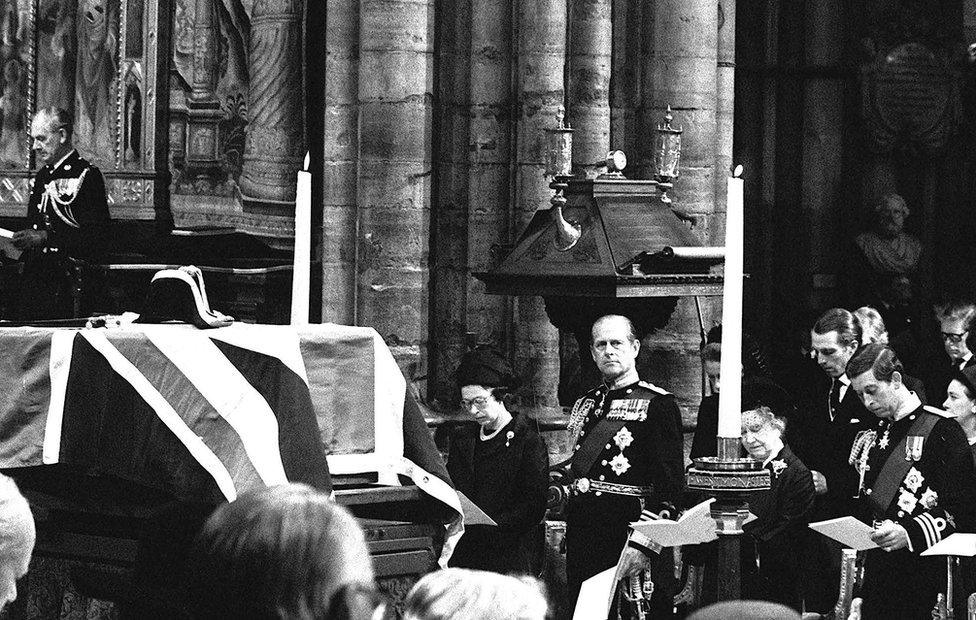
<point>67,219</point>
<point>919,487</point>
<point>627,460</point>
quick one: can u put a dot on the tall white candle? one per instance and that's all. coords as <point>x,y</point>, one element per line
<point>303,247</point>
<point>730,395</point>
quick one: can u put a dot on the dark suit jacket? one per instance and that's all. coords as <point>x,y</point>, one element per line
<point>824,445</point>
<point>506,477</point>
<point>783,514</point>
<point>939,373</point>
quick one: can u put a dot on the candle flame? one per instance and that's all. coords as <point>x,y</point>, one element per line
<point>306,161</point>
<point>737,172</point>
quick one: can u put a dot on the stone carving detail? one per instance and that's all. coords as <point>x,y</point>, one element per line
<point>274,145</point>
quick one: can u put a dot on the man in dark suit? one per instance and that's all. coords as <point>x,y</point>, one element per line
<point>958,340</point>
<point>821,435</point>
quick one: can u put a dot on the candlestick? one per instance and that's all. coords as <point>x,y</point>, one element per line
<point>730,396</point>
<point>303,247</point>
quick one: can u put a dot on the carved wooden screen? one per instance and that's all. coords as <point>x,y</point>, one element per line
<point>98,59</point>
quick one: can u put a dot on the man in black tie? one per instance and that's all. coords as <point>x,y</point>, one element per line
<point>956,324</point>
<point>821,435</point>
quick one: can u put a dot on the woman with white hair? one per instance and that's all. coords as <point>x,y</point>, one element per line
<point>17,537</point>
<point>285,552</point>
<point>783,513</point>
<point>463,594</point>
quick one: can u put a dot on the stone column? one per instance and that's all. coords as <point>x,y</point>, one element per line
<point>724,110</point>
<point>823,140</point>
<point>203,108</point>
<point>274,146</point>
<point>684,75</point>
<point>340,162</point>
<point>205,54</point>
<point>395,93</point>
<point>541,59</point>
<point>489,176</point>
<point>588,88</point>
<point>449,220</point>
<point>625,66</point>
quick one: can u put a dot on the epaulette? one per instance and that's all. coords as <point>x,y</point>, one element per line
<point>654,388</point>
<point>942,413</point>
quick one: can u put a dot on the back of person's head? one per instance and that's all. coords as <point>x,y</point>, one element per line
<point>287,551</point>
<point>880,359</point>
<point>754,361</point>
<point>17,538</point>
<point>745,610</point>
<point>872,325</point>
<point>958,309</point>
<point>463,594</point>
<point>843,322</point>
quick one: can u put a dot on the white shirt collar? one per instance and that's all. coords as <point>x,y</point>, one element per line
<point>908,405</point>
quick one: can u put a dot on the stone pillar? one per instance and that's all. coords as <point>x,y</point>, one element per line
<point>684,75</point>
<point>274,146</point>
<point>395,93</point>
<point>203,108</point>
<point>724,111</point>
<point>340,161</point>
<point>541,59</point>
<point>625,66</point>
<point>449,219</point>
<point>588,88</point>
<point>685,64</point>
<point>489,176</point>
<point>204,86</point>
<point>823,140</point>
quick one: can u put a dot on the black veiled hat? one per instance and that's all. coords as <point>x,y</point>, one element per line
<point>967,376</point>
<point>487,368</point>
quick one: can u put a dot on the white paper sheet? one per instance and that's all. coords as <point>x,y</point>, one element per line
<point>848,531</point>
<point>957,544</point>
<point>596,595</point>
<point>473,514</point>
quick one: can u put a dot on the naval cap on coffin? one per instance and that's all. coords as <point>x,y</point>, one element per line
<point>180,295</point>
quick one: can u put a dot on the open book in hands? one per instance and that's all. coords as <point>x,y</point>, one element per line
<point>695,526</point>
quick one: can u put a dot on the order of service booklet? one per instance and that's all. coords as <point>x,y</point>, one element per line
<point>848,531</point>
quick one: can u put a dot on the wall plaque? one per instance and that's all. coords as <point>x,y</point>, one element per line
<point>910,96</point>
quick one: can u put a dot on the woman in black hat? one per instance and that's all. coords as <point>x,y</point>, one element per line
<point>501,464</point>
<point>961,402</point>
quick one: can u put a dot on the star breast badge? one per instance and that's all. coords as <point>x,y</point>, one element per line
<point>620,464</point>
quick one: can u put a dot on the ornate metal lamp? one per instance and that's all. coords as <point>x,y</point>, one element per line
<point>667,156</point>
<point>559,166</point>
